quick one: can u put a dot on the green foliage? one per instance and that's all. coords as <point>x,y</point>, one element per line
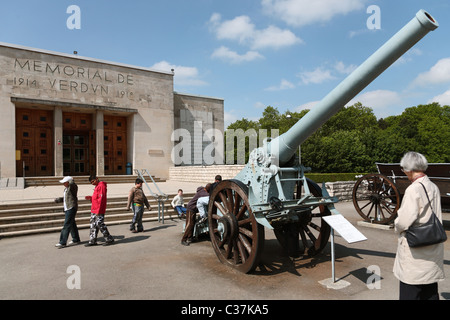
<point>332,177</point>
<point>353,139</point>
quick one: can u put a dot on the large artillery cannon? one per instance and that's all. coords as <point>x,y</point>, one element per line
<point>272,190</point>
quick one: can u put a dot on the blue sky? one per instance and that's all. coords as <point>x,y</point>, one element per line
<point>252,53</point>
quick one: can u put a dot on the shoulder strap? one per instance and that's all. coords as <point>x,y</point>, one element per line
<point>426,193</point>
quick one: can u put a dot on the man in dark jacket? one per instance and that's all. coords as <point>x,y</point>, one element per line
<point>191,212</point>
<point>217,180</point>
<point>70,201</point>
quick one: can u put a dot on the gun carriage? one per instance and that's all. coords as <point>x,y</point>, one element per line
<point>272,190</point>
<point>377,197</point>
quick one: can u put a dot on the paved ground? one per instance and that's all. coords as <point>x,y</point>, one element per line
<point>153,265</point>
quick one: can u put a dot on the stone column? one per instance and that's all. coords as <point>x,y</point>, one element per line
<point>8,140</point>
<point>99,125</point>
<point>58,138</point>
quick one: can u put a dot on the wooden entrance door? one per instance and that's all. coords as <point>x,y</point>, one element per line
<point>76,154</point>
<point>34,136</point>
<point>115,144</point>
<point>78,144</point>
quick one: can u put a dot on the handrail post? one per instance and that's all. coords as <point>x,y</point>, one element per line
<point>161,197</point>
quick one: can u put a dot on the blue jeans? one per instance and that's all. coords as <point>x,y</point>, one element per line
<point>70,226</point>
<point>137,217</point>
<point>180,210</point>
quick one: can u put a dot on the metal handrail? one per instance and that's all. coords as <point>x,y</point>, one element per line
<point>161,197</point>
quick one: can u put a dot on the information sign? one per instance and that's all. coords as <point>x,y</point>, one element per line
<point>344,228</point>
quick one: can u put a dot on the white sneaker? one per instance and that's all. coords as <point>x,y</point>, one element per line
<point>59,245</point>
<point>71,243</point>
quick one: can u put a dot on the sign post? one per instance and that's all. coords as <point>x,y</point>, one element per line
<point>347,231</point>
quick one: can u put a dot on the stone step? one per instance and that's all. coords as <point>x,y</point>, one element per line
<point>12,183</point>
<point>32,218</point>
<point>58,221</point>
<point>27,232</point>
<point>53,181</point>
<point>51,207</point>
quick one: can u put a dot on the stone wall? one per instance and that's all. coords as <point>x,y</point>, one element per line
<point>202,122</point>
<point>341,189</point>
<point>204,174</point>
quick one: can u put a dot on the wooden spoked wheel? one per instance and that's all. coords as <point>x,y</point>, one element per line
<point>310,235</point>
<point>376,198</point>
<point>236,237</point>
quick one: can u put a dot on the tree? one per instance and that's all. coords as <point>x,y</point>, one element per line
<point>237,137</point>
<point>353,140</point>
<point>424,128</point>
<point>356,117</point>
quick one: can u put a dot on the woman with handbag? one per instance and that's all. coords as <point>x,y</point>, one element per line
<point>418,267</point>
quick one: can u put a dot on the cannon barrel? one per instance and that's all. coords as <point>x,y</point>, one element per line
<point>400,43</point>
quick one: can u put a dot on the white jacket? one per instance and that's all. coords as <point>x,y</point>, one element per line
<point>423,265</point>
<point>177,201</point>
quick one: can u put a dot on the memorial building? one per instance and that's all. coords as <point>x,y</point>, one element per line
<point>63,114</point>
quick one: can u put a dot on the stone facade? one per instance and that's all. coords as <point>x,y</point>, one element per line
<point>204,174</point>
<point>36,79</point>
<point>202,120</point>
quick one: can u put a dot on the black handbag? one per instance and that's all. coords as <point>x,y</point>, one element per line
<point>431,232</point>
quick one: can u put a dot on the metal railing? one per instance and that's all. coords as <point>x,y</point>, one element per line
<point>161,197</point>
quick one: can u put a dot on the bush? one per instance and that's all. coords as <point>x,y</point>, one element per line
<point>333,177</point>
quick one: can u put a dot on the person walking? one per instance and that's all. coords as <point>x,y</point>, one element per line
<point>98,210</point>
<point>137,199</point>
<point>420,268</point>
<point>70,201</point>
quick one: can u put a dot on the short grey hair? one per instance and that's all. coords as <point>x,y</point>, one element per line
<point>414,161</point>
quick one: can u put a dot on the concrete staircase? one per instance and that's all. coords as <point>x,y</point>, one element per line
<point>43,217</point>
<point>53,181</point>
<point>12,183</point>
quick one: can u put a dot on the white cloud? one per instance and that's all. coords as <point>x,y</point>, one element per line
<point>274,37</point>
<point>308,105</point>
<point>439,73</point>
<point>354,33</point>
<point>378,100</point>
<point>242,30</point>
<point>409,56</point>
<point>316,76</point>
<point>184,76</point>
<point>229,118</point>
<point>284,85</point>
<point>342,68</point>
<point>233,57</point>
<point>259,105</point>
<point>442,99</point>
<point>322,74</point>
<point>300,13</point>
